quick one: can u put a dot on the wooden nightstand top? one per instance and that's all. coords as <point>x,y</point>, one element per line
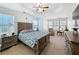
<point>9,36</point>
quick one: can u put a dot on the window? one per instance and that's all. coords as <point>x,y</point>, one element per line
<point>63,22</point>
<point>71,24</point>
<point>57,24</point>
<point>6,23</point>
<point>50,24</point>
<point>35,24</point>
<point>78,23</point>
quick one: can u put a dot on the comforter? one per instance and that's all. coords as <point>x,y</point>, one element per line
<point>31,38</point>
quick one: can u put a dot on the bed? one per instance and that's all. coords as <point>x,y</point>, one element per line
<point>36,40</point>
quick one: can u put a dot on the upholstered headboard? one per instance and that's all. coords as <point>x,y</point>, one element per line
<point>24,26</point>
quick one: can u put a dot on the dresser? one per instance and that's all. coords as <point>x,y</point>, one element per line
<point>72,43</point>
<point>7,42</point>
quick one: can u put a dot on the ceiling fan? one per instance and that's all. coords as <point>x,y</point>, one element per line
<point>41,7</point>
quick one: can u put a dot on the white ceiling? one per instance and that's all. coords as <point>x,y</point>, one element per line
<point>55,9</point>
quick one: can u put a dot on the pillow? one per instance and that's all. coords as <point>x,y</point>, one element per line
<point>29,30</point>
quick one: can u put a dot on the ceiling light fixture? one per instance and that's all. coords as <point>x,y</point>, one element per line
<point>41,7</point>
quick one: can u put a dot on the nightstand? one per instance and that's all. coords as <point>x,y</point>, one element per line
<point>9,41</point>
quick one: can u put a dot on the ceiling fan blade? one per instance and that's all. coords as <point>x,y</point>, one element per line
<point>46,7</point>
